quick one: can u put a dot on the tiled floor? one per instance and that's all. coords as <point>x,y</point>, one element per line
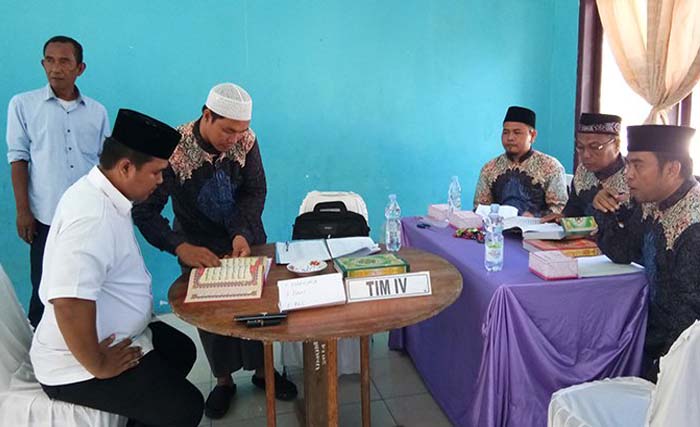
<point>399,397</point>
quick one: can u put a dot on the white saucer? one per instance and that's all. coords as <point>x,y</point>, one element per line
<point>307,267</point>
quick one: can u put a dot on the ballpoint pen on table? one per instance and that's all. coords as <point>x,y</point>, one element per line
<point>262,322</point>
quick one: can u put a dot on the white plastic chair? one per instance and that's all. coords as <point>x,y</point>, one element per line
<point>633,402</point>
<point>348,348</point>
<point>353,201</point>
<point>23,403</point>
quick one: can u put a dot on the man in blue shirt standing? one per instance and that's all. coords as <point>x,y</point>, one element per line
<point>54,137</point>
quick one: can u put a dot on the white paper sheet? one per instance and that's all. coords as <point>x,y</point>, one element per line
<point>522,222</point>
<point>505,211</point>
<point>301,250</point>
<point>601,265</point>
<point>352,245</point>
<point>312,291</point>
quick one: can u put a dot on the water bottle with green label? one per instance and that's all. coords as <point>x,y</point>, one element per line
<point>493,242</point>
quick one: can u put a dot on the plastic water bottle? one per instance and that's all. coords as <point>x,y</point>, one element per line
<point>393,225</point>
<point>493,241</point>
<point>454,196</point>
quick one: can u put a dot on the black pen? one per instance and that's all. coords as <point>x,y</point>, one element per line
<point>259,316</point>
<point>262,322</point>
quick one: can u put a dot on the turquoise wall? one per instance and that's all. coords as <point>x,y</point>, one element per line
<point>376,97</point>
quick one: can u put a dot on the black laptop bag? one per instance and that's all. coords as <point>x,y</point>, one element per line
<point>329,220</point>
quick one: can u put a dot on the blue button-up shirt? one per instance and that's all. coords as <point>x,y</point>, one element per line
<point>61,144</point>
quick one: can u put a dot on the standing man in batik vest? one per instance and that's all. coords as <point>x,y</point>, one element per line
<point>217,185</point>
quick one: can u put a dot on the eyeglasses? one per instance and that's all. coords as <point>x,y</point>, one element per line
<point>594,148</point>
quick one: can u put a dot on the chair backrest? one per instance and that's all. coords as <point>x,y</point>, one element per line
<point>676,399</point>
<point>353,201</point>
<point>15,333</point>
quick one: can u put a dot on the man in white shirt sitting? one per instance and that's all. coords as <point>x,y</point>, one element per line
<point>96,345</point>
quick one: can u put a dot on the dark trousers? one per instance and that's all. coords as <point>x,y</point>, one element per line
<point>228,354</point>
<point>654,348</point>
<point>650,368</point>
<point>36,259</point>
<point>153,393</point>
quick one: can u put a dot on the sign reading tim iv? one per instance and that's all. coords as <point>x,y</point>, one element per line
<point>385,287</point>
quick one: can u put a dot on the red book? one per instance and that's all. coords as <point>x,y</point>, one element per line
<point>572,248</point>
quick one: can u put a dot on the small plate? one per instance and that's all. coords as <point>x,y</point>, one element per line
<point>307,267</point>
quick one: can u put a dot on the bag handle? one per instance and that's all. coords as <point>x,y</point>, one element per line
<point>336,206</point>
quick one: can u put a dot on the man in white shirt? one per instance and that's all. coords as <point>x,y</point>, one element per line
<point>54,136</point>
<point>95,345</point>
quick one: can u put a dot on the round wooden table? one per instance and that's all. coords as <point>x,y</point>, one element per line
<point>320,328</point>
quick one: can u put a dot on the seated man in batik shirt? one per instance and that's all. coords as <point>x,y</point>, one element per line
<point>529,180</point>
<point>600,165</point>
<point>662,232</point>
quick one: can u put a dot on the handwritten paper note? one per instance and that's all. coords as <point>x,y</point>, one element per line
<point>313,291</point>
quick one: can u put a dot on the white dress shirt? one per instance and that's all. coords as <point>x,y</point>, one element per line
<point>92,254</point>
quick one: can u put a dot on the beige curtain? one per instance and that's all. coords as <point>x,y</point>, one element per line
<point>656,44</point>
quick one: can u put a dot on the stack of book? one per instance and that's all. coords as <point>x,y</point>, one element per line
<point>553,265</point>
<point>438,212</point>
<point>372,265</point>
<point>572,248</point>
<point>465,219</point>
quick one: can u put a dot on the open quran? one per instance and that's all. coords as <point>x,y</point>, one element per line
<point>235,279</point>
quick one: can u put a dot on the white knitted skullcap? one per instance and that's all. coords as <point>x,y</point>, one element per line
<point>231,101</point>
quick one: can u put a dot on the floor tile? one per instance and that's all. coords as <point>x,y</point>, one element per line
<point>349,390</point>
<point>396,376</point>
<point>379,347</point>
<point>283,420</point>
<point>417,410</point>
<point>393,378</point>
<point>351,415</point>
<point>249,403</point>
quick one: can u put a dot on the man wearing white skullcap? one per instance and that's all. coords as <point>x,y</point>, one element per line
<point>216,182</point>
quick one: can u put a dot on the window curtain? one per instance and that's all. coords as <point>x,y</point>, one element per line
<point>656,44</point>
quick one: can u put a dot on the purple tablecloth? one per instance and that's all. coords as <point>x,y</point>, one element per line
<point>495,356</point>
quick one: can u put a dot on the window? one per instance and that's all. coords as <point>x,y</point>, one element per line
<point>695,122</point>
<point>616,97</point>
<point>602,89</point>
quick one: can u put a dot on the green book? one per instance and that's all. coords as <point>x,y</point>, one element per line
<point>372,265</point>
<point>579,226</point>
